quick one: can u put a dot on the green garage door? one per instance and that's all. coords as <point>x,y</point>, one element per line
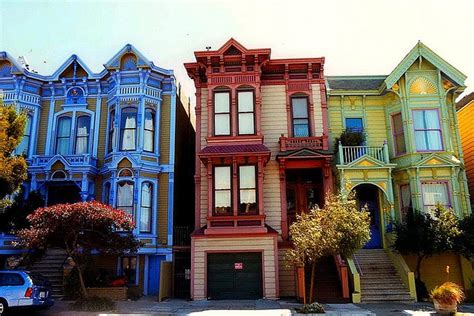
<point>234,275</point>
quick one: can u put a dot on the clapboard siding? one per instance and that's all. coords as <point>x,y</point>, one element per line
<point>287,275</point>
<point>272,195</point>
<point>467,140</point>
<point>42,128</point>
<point>318,112</point>
<point>264,244</point>
<point>274,117</point>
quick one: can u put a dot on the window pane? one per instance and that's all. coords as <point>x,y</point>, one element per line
<point>82,134</point>
<point>246,123</point>
<point>431,119</point>
<point>146,194</point>
<point>397,123</point>
<point>300,128</point>
<point>125,197</point>
<point>128,129</point>
<point>145,219</point>
<point>245,99</point>
<point>111,130</point>
<point>434,140</point>
<point>435,193</point>
<point>222,124</point>
<point>247,177</point>
<point>300,107</point>
<point>62,146</point>
<point>222,178</point>
<point>148,140</point>
<point>248,201</point>
<point>64,127</point>
<point>222,201</point>
<point>354,124</point>
<point>400,143</point>
<point>420,140</point>
<point>221,102</point>
<point>419,120</point>
<point>149,120</point>
<point>146,207</point>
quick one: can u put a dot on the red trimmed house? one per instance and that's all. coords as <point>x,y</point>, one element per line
<point>262,156</point>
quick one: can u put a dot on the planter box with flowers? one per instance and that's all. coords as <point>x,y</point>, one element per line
<point>446,297</point>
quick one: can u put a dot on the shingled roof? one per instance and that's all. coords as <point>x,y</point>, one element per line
<point>465,101</point>
<point>355,83</point>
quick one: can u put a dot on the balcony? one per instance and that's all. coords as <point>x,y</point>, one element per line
<point>296,143</point>
<point>349,154</point>
<point>71,160</point>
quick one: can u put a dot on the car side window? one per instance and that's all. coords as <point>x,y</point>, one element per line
<point>11,279</point>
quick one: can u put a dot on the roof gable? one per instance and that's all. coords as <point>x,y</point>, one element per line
<point>435,159</point>
<point>72,67</point>
<point>114,62</point>
<point>421,50</point>
<point>16,68</point>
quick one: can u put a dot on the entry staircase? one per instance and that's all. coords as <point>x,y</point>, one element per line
<point>327,285</point>
<point>379,280</point>
<point>50,265</point>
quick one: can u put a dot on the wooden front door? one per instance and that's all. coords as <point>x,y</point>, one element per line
<point>302,195</point>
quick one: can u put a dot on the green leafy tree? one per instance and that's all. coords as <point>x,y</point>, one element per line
<point>12,167</point>
<point>425,234</point>
<point>465,240</point>
<point>339,228</point>
<point>15,215</point>
<point>80,228</point>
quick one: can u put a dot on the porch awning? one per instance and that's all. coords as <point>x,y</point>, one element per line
<point>235,150</point>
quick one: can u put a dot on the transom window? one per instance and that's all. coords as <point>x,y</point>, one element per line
<point>433,193</point>
<point>149,136</point>
<point>63,135</point>
<point>128,129</point>
<point>222,113</point>
<point>427,130</point>
<point>246,112</point>
<point>222,190</point>
<point>25,141</point>
<point>398,135</point>
<point>247,190</point>
<point>82,134</point>
<point>300,117</point>
<point>146,207</point>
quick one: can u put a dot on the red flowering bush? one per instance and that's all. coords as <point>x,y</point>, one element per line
<point>80,229</point>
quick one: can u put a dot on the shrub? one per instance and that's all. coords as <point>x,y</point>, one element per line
<point>93,304</point>
<point>350,138</point>
<point>313,308</point>
<point>448,293</point>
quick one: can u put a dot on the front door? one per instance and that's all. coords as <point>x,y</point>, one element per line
<point>367,196</point>
<point>154,263</point>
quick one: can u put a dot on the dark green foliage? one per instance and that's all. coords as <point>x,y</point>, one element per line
<point>313,308</point>
<point>350,138</point>
<point>93,304</point>
<point>465,241</point>
<point>14,216</point>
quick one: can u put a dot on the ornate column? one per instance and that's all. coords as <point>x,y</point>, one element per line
<point>283,202</point>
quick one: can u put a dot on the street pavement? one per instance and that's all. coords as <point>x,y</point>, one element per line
<point>149,306</point>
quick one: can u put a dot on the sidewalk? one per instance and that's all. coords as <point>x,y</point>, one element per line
<point>149,306</point>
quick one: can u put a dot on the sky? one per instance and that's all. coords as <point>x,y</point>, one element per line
<point>363,37</point>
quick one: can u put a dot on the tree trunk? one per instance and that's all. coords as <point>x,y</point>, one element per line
<point>418,267</point>
<point>81,281</point>
<point>311,288</point>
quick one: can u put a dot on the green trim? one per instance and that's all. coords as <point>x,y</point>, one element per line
<point>356,295</point>
<point>422,50</point>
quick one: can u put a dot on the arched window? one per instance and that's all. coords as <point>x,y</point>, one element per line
<point>111,131</point>
<point>82,134</point>
<point>146,207</point>
<point>125,196</point>
<point>128,129</point>
<point>149,137</point>
<point>63,135</point>
<point>25,141</point>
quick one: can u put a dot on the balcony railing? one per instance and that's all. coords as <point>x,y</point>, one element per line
<point>296,143</point>
<point>348,154</point>
<point>73,160</point>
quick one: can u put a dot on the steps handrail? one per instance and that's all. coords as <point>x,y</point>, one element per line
<point>355,278</point>
<point>343,276</point>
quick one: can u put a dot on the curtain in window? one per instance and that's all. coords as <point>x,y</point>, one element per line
<point>435,193</point>
<point>149,137</point>
<point>146,207</point>
<point>63,135</point>
<point>427,130</point>
<point>222,190</point>
<point>129,129</point>
<point>25,141</point>
<point>125,197</point>
<point>247,190</point>
<point>82,134</point>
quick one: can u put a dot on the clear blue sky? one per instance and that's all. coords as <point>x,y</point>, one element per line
<point>356,37</point>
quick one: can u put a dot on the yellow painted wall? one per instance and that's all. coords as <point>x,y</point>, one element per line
<point>43,127</point>
<point>163,208</point>
<point>465,117</point>
<point>165,130</point>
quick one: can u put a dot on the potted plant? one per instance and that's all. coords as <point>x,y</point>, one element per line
<point>446,297</point>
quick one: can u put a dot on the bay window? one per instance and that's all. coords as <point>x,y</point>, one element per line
<point>222,190</point>
<point>149,135</point>
<point>222,113</point>
<point>111,131</point>
<point>63,135</point>
<point>128,129</point>
<point>398,135</point>
<point>300,117</point>
<point>433,193</point>
<point>246,116</point>
<point>82,134</point>
<point>125,196</point>
<point>106,193</point>
<point>146,207</point>
<point>427,130</point>
<point>405,200</point>
<point>25,141</point>
<point>247,190</point>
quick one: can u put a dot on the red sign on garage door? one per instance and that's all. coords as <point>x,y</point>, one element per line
<point>238,265</point>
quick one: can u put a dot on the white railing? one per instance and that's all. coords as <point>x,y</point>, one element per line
<point>124,90</point>
<point>73,160</point>
<point>29,98</point>
<point>8,95</point>
<point>153,92</point>
<point>348,154</point>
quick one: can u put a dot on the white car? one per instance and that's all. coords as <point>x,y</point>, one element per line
<point>23,289</point>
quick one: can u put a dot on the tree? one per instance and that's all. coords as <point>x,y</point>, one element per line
<point>15,215</point>
<point>80,229</point>
<point>340,228</point>
<point>12,167</point>
<point>425,234</point>
<point>465,240</point>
